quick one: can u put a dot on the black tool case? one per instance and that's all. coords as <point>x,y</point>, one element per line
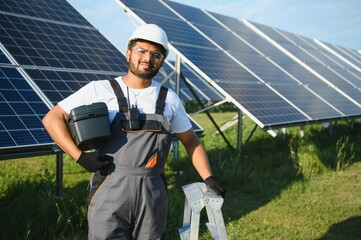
<point>89,125</point>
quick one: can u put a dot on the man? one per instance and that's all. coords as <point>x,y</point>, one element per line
<point>130,198</point>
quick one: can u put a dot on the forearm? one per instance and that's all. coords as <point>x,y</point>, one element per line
<point>199,158</point>
<point>196,153</point>
<point>200,161</point>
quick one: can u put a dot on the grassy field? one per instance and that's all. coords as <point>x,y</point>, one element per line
<point>277,188</point>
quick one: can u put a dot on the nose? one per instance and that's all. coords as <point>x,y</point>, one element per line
<point>146,56</point>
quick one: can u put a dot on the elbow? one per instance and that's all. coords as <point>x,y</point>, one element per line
<point>53,117</point>
<point>47,119</point>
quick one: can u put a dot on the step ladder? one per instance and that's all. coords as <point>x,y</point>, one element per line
<point>198,197</point>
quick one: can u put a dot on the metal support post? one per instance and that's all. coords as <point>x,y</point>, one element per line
<point>177,90</point>
<point>59,174</point>
<point>239,137</point>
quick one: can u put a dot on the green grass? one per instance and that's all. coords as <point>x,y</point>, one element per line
<point>293,188</point>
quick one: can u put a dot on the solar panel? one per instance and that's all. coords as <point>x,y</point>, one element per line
<point>21,111</point>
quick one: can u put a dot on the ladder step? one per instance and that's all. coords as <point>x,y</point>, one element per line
<point>198,197</point>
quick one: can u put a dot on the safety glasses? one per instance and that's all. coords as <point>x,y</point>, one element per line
<point>140,51</point>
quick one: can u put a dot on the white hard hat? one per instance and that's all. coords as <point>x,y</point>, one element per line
<point>152,33</point>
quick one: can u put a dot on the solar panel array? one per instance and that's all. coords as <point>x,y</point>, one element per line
<point>277,78</point>
<point>48,51</point>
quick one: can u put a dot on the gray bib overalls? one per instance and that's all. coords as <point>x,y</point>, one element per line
<point>130,200</point>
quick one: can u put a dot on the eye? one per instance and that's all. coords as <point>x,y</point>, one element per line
<point>141,50</point>
<point>157,55</point>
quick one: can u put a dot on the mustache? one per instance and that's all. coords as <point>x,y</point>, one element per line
<point>151,65</point>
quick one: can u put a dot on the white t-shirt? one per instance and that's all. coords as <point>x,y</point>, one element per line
<point>145,99</point>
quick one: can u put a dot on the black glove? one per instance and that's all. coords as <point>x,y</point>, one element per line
<point>214,186</point>
<point>94,161</point>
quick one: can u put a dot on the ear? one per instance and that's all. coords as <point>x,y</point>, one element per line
<point>127,54</point>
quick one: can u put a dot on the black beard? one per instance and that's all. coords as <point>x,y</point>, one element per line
<point>146,75</point>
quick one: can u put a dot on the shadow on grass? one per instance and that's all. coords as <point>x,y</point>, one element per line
<point>346,230</point>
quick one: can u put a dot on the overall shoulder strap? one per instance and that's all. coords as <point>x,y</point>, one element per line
<point>161,100</point>
<point>122,101</point>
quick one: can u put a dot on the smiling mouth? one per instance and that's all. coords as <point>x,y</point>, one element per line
<point>146,66</point>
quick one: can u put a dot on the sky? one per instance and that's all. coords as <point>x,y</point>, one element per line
<point>333,21</point>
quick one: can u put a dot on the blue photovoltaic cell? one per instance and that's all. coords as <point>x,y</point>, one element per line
<point>21,111</point>
<point>46,44</point>
<point>56,10</point>
<point>57,85</point>
<point>3,58</point>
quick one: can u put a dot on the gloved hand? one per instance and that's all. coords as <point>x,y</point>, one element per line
<point>213,185</point>
<point>94,161</point>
